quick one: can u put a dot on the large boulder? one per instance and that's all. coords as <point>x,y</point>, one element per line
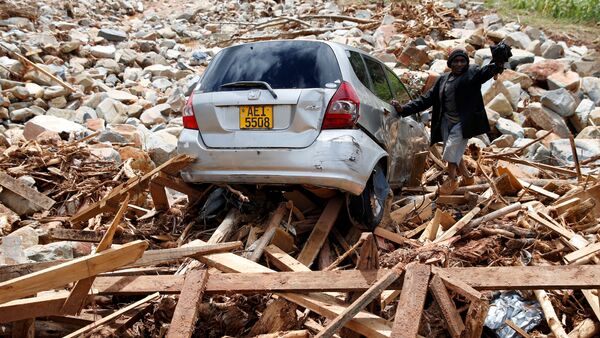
<point>42,123</point>
<point>561,101</point>
<point>591,86</point>
<point>518,40</point>
<point>506,126</point>
<point>592,132</point>
<point>586,148</point>
<point>161,146</point>
<point>112,111</point>
<point>501,105</point>
<point>567,79</point>
<point>546,119</point>
<point>540,71</point>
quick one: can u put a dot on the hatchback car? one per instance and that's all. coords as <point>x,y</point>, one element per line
<point>302,112</point>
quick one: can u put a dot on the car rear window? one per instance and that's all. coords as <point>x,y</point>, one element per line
<point>282,64</point>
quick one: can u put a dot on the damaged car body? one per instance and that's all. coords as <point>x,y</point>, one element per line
<point>302,112</point>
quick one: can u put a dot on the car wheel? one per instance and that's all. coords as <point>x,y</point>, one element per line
<point>368,207</point>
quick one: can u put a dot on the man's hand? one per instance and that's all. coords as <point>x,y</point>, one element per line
<point>396,106</point>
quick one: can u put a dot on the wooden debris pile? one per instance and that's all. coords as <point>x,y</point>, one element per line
<point>235,261</point>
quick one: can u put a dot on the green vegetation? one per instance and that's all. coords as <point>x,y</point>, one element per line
<point>579,10</point>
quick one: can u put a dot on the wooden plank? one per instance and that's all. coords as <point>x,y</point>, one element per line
<point>76,269</point>
<point>390,236</point>
<point>432,227</point>
<point>41,201</point>
<point>40,306</point>
<point>373,292</point>
<point>581,253</point>
<point>461,288</point>
<point>300,200</point>
<point>223,231</point>
<point>78,296</point>
<point>591,192</point>
<point>480,278</point>
<point>111,316</point>
<point>364,323</point>
<point>162,256</point>
<point>538,190</point>
<point>186,311</point>
<point>281,260</point>
<point>320,231</point>
<point>458,225</point>
<point>60,234</point>
<point>446,305</point>
<point>159,196</point>
<point>563,206</point>
<point>177,184</point>
<point>568,234</point>
<point>475,318</point>
<point>517,329</point>
<point>257,248</point>
<point>8,272</point>
<point>412,300</point>
<point>550,315</point>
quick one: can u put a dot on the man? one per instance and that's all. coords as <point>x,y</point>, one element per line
<point>458,111</point>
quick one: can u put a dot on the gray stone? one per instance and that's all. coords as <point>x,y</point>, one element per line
<point>58,102</point>
<point>126,56</point>
<point>584,109</point>
<point>161,84</point>
<point>85,113</point>
<point>561,101</point>
<point>586,148</point>
<point>492,19</point>
<point>546,119</point>
<point>34,90</point>
<point>112,34</point>
<point>535,47</point>
<point>552,50</point>
<point>132,74</point>
<point>69,46</point>
<point>122,96</point>
<point>160,70</point>
<point>506,126</point>
<point>67,114</point>
<point>103,51</point>
<point>50,252</point>
<point>501,105</point>
<point>591,87</point>
<point>21,115</point>
<point>94,100</point>
<point>112,111</point>
<point>134,110</point>
<point>55,91</point>
<point>42,123</point>
<point>161,146</point>
<point>533,33</point>
<point>518,39</point>
<point>587,68</point>
<point>84,80</point>
<point>520,57</point>
<point>110,64</point>
<point>154,115</point>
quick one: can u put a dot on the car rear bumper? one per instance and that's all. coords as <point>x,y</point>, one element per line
<point>340,159</point>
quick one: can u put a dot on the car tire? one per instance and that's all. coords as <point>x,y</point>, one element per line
<point>368,208</point>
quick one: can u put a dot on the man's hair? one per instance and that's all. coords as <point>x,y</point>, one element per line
<point>456,53</point>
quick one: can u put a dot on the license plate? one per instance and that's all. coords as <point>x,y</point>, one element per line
<point>256,117</point>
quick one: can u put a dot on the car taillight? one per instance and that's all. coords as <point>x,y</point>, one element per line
<point>189,119</point>
<point>342,111</point>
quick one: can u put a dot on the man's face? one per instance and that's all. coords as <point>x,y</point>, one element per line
<point>458,65</point>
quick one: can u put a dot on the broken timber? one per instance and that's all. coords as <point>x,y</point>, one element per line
<point>39,200</point>
<point>186,311</point>
<point>412,300</point>
<point>320,231</point>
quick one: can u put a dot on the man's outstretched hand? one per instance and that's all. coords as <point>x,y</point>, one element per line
<point>396,105</point>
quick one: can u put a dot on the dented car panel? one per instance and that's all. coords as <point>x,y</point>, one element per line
<point>341,159</point>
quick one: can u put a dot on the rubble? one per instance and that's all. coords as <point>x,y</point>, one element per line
<point>90,110</point>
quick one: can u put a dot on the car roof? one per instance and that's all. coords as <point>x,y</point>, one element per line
<point>330,43</point>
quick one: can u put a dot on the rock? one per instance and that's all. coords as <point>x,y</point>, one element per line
<point>520,57</point>
<point>110,64</point>
<point>492,20</point>
<point>551,50</point>
<point>492,116</point>
<point>126,56</point>
<point>535,47</point>
<point>540,71</point>
<point>515,77</point>
<point>481,55</point>
<point>140,160</point>
<point>84,113</point>
<point>105,152</point>
<point>58,102</point>
<point>103,51</point>
<point>20,93</point>
<point>413,57</point>
<point>514,91</point>
<point>160,70</point>
<point>125,133</point>
<point>95,124</point>
<point>506,126</point>
<point>27,235</point>
<point>533,33</point>
<point>568,80</point>
<point>439,66</point>
<point>84,80</point>
<point>34,90</point>
<point>477,38</point>
<point>161,146</point>
<point>546,119</point>
<point>589,132</point>
<point>504,141</point>
<point>587,68</point>
<point>561,101</point>
<point>112,34</point>
<point>69,46</point>
<point>112,111</point>
<point>132,74</point>
<point>67,114</point>
<point>595,116</point>
<point>21,115</point>
<point>134,110</point>
<point>518,40</point>
<point>42,123</point>
<point>49,137</point>
<point>584,109</point>
<point>121,96</point>
<point>154,115</point>
<point>586,148</point>
<point>55,91</point>
<point>501,105</point>
<point>161,84</point>
<point>50,252</point>
<point>530,132</point>
<point>591,86</point>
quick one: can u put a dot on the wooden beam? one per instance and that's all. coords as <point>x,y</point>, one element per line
<point>550,315</point>
<point>257,248</point>
<point>60,234</point>
<point>432,227</point>
<point>41,306</point>
<point>159,196</point>
<point>412,300</point>
<point>162,256</point>
<point>538,190</point>
<point>373,292</point>
<point>390,236</point>
<point>111,316</point>
<point>320,231</point>
<point>461,288</point>
<point>517,329</point>
<point>582,253</point>
<point>223,231</point>
<point>177,184</point>
<point>480,278</point>
<point>188,305</point>
<point>458,225</point>
<point>446,305</point>
<point>76,269</point>
<point>23,328</point>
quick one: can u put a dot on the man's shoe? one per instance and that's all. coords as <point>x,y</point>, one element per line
<point>448,187</point>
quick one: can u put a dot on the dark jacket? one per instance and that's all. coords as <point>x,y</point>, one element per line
<point>469,102</point>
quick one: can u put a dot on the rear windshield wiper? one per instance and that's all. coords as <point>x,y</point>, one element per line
<point>251,84</point>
